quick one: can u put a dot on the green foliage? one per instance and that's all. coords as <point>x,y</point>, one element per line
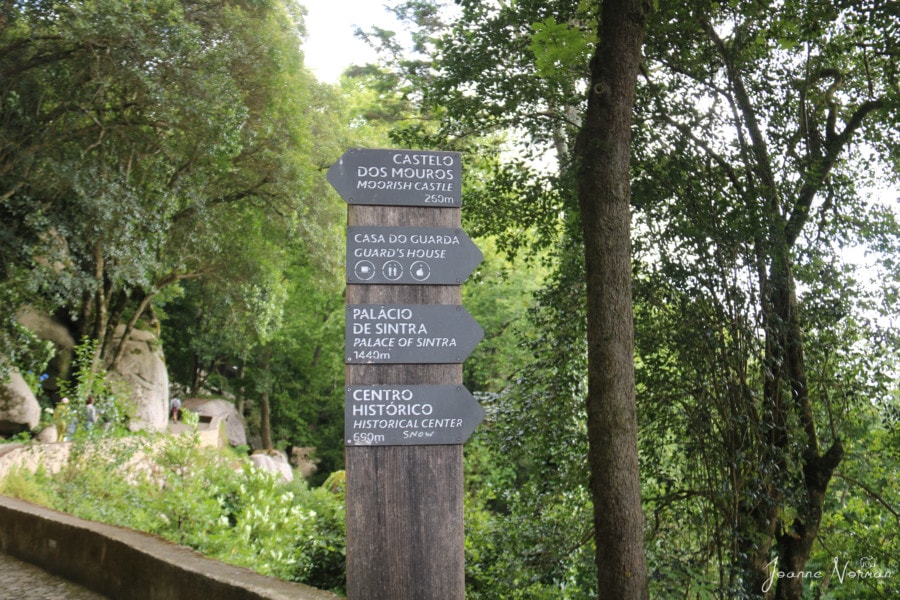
<point>523,540</point>
<point>861,529</point>
<point>560,49</point>
<point>21,483</point>
<point>162,162</point>
<point>529,532</point>
<point>248,517</point>
<point>214,502</point>
<point>511,202</point>
<point>499,295</point>
<point>90,380</point>
<point>757,128</point>
<point>148,143</point>
<point>307,371</point>
<point>84,487</point>
<point>189,418</point>
<point>742,397</point>
<point>21,348</point>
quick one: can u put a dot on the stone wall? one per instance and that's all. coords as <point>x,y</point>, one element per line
<point>129,565</point>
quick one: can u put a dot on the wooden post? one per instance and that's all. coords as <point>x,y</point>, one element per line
<point>405,536</point>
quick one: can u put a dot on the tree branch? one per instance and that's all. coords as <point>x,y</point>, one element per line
<point>875,495</point>
<point>161,283</point>
<point>757,140</point>
<point>818,170</point>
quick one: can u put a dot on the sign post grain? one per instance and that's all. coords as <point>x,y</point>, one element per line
<point>405,536</point>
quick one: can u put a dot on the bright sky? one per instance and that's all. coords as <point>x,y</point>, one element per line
<point>330,44</point>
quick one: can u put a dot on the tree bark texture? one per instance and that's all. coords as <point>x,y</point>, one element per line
<point>785,364</point>
<point>265,412</point>
<point>603,152</point>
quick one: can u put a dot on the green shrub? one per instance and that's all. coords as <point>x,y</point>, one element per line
<point>110,395</point>
<point>211,500</point>
<point>25,485</point>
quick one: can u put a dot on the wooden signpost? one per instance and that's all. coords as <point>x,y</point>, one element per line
<point>407,414</point>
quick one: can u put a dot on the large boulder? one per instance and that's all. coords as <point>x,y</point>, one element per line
<point>273,461</point>
<point>48,435</point>
<point>220,410</point>
<point>45,328</point>
<point>48,329</point>
<point>301,458</point>
<point>143,368</point>
<point>19,409</point>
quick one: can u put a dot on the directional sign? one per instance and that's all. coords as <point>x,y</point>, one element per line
<point>409,415</point>
<point>398,177</point>
<point>410,255</point>
<point>409,333</point>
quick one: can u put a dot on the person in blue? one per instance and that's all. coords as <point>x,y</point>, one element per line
<point>90,413</point>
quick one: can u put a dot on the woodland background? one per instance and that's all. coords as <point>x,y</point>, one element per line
<point>162,167</point>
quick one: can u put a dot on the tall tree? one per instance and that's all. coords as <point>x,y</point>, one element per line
<point>751,119</point>
<point>135,135</point>
<point>747,175</point>
<point>603,159</point>
<point>515,83</point>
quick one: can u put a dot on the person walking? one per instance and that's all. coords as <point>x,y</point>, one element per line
<point>175,409</point>
<point>62,412</point>
<point>90,413</point>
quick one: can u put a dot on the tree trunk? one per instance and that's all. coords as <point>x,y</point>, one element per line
<point>241,392</point>
<point>126,333</point>
<point>265,423</point>
<point>100,300</point>
<point>196,379</point>
<point>794,541</point>
<point>603,152</point>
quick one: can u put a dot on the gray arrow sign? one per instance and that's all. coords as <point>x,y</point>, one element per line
<point>409,333</point>
<point>409,415</point>
<point>410,255</point>
<point>398,177</point>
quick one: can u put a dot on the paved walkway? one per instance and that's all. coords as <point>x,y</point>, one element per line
<point>23,581</point>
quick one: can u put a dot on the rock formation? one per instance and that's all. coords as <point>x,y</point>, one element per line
<point>225,410</point>
<point>47,329</point>
<point>273,461</point>
<point>143,368</point>
<point>19,409</point>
